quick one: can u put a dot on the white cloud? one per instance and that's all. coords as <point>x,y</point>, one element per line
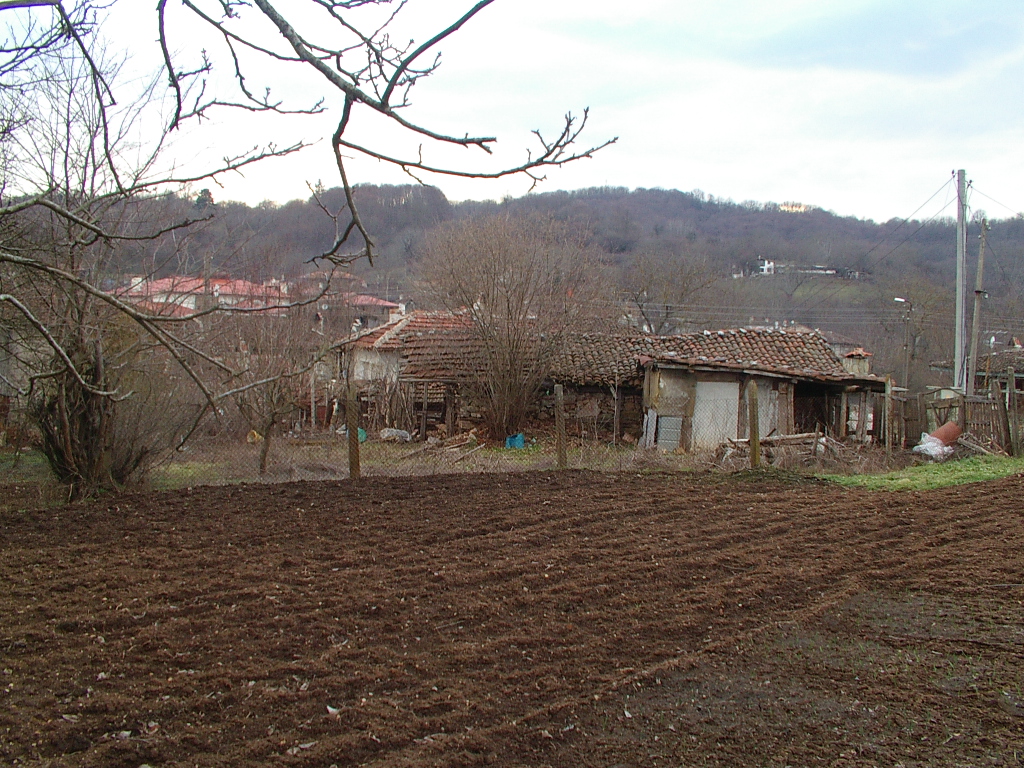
<point>858,106</point>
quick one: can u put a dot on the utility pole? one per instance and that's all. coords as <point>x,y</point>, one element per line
<point>906,339</point>
<point>979,294</point>
<point>959,344</point>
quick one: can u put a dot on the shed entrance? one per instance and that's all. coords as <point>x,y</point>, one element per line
<point>715,412</point>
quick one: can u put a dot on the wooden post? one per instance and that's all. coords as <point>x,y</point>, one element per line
<point>1004,422</point>
<point>352,424</point>
<point>753,424</point>
<point>449,410</point>
<point>1011,396</point>
<point>844,415</point>
<point>617,413</point>
<point>962,412</point>
<point>563,461</point>
<point>312,400</point>
<point>888,415</point>
<point>862,417</point>
<point>423,414</point>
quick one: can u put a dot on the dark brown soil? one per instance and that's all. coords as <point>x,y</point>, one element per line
<point>573,619</point>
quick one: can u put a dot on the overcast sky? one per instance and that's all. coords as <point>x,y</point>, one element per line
<point>862,107</point>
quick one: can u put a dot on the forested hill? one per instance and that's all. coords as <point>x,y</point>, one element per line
<point>733,236</point>
<point>680,250</point>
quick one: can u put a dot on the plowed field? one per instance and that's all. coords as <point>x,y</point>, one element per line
<point>574,619</point>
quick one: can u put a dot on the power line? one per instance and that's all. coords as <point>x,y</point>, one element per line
<point>902,223</point>
<point>925,223</point>
<point>989,197</point>
<point>945,205</point>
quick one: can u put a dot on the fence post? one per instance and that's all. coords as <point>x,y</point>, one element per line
<point>962,419</point>
<point>1011,393</point>
<point>888,415</point>
<point>423,414</point>
<point>352,425</point>
<point>616,413</point>
<point>862,417</point>
<point>563,461</point>
<point>1004,422</point>
<point>753,424</point>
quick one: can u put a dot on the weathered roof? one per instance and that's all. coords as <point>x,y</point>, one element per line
<point>366,300</point>
<point>993,363</point>
<point>432,345</point>
<point>442,345</point>
<point>604,359</point>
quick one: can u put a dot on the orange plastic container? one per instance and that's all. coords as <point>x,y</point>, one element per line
<point>948,433</point>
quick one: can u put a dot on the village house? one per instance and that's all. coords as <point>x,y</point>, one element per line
<point>176,295</point>
<point>685,392</point>
<point>696,388</point>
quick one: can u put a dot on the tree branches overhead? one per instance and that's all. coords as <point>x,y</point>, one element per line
<point>351,50</point>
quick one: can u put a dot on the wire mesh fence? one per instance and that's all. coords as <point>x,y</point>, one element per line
<point>326,455</point>
<point>588,430</point>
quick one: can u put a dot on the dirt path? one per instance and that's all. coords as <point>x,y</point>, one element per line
<point>515,620</point>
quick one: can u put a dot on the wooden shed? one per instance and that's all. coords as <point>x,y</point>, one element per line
<point>696,389</point>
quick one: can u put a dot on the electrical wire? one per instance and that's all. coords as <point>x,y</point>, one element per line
<point>989,197</point>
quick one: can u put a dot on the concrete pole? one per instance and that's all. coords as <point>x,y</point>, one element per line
<point>959,343</point>
<point>972,361</point>
<point>907,345</point>
<point>888,415</point>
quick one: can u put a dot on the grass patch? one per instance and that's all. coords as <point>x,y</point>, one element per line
<point>184,474</point>
<point>927,476</point>
<point>32,467</point>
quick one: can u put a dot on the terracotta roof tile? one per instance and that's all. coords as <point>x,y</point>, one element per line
<point>442,345</point>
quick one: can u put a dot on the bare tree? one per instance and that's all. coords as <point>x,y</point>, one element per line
<point>525,283</point>
<point>81,168</point>
<point>80,175</point>
<point>661,285</point>
<point>273,353</point>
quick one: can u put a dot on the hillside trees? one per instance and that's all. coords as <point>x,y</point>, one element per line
<point>526,283</point>
<point>661,283</point>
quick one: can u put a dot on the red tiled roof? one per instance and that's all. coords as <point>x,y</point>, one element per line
<point>995,362</point>
<point>222,286</point>
<point>442,345</point>
<point>163,308</point>
<point>432,345</point>
<point>365,300</point>
<point>801,354</point>
<point>606,359</point>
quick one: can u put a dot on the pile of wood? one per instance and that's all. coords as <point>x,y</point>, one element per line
<point>776,448</point>
<point>980,445</point>
<point>454,449</point>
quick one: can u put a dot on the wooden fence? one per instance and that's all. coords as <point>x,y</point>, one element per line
<point>993,421</point>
